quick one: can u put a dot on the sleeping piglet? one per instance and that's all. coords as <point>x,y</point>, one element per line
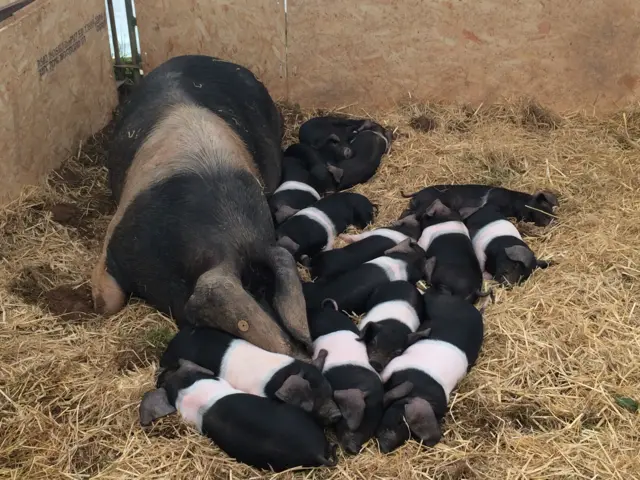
<point>452,265</point>
<point>395,310</point>
<point>368,147</point>
<point>500,250</point>
<point>352,289</point>
<point>363,247</point>
<point>357,388</point>
<point>254,430</point>
<point>304,179</point>
<point>419,382</point>
<point>315,228</point>
<point>331,135</point>
<point>253,370</point>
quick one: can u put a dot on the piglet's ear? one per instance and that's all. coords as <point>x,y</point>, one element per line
<point>422,421</point>
<point>520,253</point>
<point>336,172</point>
<point>288,244</point>
<point>352,405</point>
<point>437,209</point>
<point>295,390</point>
<point>369,331</point>
<point>429,267</point>
<point>283,213</point>
<point>544,196</point>
<point>154,405</point>
<point>396,393</point>
<point>318,362</point>
<point>405,246</point>
<point>466,212</point>
<point>417,336</point>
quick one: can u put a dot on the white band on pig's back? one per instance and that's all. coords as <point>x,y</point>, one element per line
<point>399,310</point>
<point>343,348</point>
<point>194,401</point>
<point>249,368</point>
<point>432,232</point>
<point>394,269</point>
<point>484,236</point>
<point>442,361</point>
<point>392,235</point>
<point>323,220</point>
<point>295,185</point>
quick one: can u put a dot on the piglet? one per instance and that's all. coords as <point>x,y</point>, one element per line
<point>395,310</point>
<point>500,250</point>
<point>331,135</point>
<point>315,228</point>
<point>254,430</point>
<point>304,179</point>
<point>368,146</point>
<point>419,382</point>
<point>452,265</point>
<point>253,370</point>
<point>357,388</point>
<point>537,208</point>
<point>363,247</point>
<point>352,289</point>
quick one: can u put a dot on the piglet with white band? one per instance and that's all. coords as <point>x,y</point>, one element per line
<point>394,311</point>
<point>315,228</point>
<point>500,250</point>
<point>363,247</point>
<point>305,179</point>
<point>253,370</point>
<point>352,289</point>
<point>357,389</point>
<point>451,266</point>
<point>419,382</point>
<point>368,147</point>
<point>254,430</point>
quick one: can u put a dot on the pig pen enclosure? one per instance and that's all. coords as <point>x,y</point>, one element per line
<point>555,391</point>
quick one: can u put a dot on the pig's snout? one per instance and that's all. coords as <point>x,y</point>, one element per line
<point>351,442</point>
<point>377,365</point>
<point>329,412</point>
<point>347,152</point>
<point>388,441</point>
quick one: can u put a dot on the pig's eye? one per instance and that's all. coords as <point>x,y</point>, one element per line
<point>398,352</point>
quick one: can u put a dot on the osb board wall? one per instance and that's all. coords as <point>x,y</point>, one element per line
<point>566,53</point>
<point>249,32</point>
<point>56,86</point>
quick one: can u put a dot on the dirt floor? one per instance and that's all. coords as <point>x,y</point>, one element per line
<point>553,394</point>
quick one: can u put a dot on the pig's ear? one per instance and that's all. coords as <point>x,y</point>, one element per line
<point>429,267</point>
<point>295,390</point>
<point>318,362</point>
<point>154,405</point>
<point>352,405</point>
<point>336,172</point>
<point>544,196</point>
<point>283,213</point>
<point>405,246</point>
<point>422,421</point>
<point>417,336</point>
<point>520,253</point>
<point>189,366</point>
<point>410,220</point>
<point>437,209</point>
<point>396,393</point>
<point>288,244</point>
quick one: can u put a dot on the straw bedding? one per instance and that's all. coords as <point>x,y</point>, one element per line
<point>553,392</point>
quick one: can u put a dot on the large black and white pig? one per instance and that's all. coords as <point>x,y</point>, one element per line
<point>394,311</point>
<point>500,250</point>
<point>451,266</point>
<point>537,208</point>
<point>315,228</point>
<point>368,146</point>
<point>254,430</point>
<point>305,179</point>
<point>363,247</point>
<point>419,382</point>
<point>352,289</point>
<point>357,388</point>
<point>194,150</point>
<point>331,135</point>
<point>253,370</point>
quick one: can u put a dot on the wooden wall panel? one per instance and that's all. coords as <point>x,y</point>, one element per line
<point>248,32</point>
<point>56,86</point>
<point>566,53</point>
